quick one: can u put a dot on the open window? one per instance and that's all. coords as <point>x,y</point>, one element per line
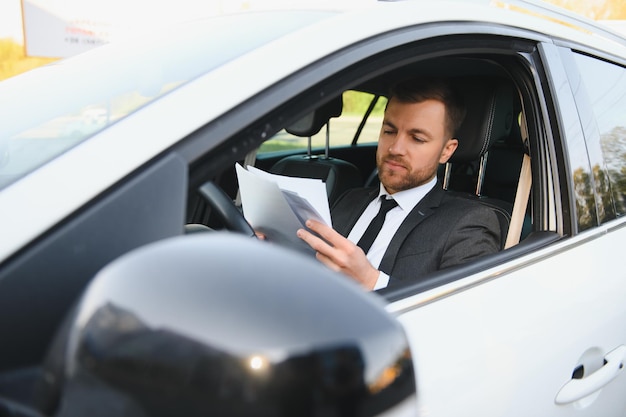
<point>493,174</point>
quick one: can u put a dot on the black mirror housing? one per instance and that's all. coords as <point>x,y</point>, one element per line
<point>220,324</point>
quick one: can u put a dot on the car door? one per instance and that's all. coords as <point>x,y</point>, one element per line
<point>529,332</point>
<point>542,334</point>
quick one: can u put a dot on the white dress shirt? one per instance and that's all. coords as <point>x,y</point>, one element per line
<point>406,200</point>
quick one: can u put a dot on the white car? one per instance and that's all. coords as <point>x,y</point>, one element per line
<point>119,297</point>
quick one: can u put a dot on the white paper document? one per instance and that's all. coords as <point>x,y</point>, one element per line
<point>277,205</point>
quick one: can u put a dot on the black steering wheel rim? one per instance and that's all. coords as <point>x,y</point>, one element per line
<point>222,205</point>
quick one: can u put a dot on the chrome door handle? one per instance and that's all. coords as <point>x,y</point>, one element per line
<point>577,389</point>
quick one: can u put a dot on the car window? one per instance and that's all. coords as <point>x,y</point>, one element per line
<point>342,129</point>
<point>605,84</point>
<point>357,105</point>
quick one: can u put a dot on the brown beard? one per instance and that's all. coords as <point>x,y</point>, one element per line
<point>395,182</point>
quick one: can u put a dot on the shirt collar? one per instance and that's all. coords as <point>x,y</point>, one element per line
<point>408,199</point>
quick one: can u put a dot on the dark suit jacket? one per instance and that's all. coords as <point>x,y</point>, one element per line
<point>440,232</point>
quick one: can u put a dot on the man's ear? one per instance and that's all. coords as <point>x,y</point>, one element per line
<point>448,150</point>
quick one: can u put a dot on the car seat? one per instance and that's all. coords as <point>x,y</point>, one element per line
<point>338,175</point>
<point>490,115</point>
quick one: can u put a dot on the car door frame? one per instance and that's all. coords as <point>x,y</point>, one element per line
<point>507,340</point>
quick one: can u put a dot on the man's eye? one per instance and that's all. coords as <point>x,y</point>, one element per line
<point>418,139</point>
<point>388,132</point>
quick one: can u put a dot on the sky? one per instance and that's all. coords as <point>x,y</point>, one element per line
<point>11,10</point>
<point>108,10</point>
<point>11,20</point>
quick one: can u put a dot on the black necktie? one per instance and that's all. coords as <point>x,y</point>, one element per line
<point>377,223</point>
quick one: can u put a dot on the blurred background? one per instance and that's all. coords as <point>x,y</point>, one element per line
<point>37,32</point>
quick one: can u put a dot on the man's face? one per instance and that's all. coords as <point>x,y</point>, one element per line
<point>412,144</point>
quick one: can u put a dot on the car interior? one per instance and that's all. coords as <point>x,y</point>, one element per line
<point>488,165</point>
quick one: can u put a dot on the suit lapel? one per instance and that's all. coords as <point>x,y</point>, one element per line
<point>422,210</point>
<point>359,203</point>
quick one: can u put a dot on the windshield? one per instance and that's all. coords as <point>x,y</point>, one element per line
<point>48,110</point>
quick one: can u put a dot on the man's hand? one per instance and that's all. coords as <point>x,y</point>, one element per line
<point>339,254</point>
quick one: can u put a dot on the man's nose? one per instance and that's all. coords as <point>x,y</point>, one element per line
<point>398,146</point>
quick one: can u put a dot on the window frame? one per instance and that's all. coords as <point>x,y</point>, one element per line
<point>524,65</point>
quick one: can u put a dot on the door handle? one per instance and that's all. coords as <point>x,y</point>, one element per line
<point>577,389</point>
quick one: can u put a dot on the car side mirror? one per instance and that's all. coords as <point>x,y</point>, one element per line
<point>220,324</point>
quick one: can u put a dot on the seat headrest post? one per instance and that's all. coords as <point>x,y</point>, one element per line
<point>327,147</point>
<point>308,148</point>
<point>481,173</point>
<point>446,176</point>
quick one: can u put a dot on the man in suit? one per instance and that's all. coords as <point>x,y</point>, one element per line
<point>427,229</point>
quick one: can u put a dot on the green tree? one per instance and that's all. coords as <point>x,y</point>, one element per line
<point>614,153</point>
<point>604,200</point>
<point>357,102</point>
<point>585,200</point>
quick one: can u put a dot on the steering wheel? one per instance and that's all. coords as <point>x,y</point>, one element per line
<point>222,205</point>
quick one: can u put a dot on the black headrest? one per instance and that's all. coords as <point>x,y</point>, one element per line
<point>489,104</point>
<point>310,124</point>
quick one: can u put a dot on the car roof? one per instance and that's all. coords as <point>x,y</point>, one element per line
<point>558,17</point>
<point>325,32</point>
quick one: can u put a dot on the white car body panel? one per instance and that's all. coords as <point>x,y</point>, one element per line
<point>473,337</point>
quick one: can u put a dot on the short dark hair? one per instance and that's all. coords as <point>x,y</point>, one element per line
<point>416,90</point>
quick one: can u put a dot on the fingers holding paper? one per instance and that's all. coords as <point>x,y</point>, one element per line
<point>339,254</point>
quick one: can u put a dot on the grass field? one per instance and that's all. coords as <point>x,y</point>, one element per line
<point>342,132</point>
